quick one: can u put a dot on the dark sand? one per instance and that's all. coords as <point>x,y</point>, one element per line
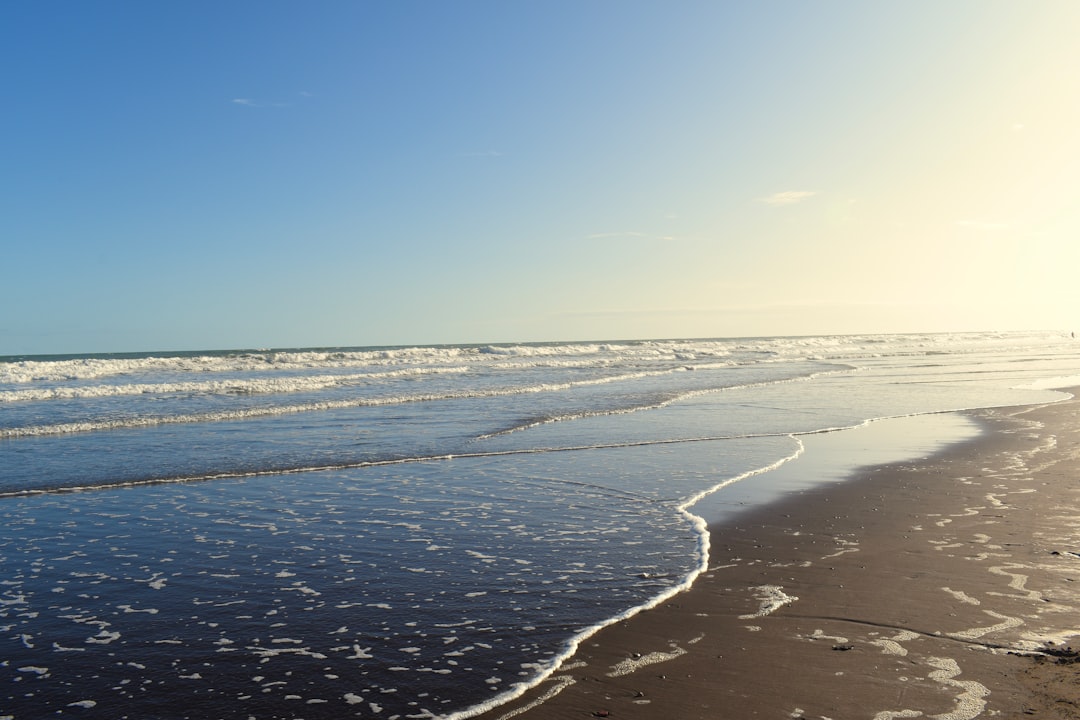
<point>928,589</point>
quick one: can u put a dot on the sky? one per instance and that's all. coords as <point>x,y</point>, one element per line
<point>204,175</point>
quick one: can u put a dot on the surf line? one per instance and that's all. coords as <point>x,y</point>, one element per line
<point>558,663</point>
<point>228,475</point>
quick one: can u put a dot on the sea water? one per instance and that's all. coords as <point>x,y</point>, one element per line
<point>404,532</point>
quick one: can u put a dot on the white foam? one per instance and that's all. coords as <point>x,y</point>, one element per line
<point>772,598</point>
<point>267,653</point>
<point>34,669</point>
<point>104,638</point>
<point>892,646</point>
<point>970,703</point>
<point>962,596</point>
<point>1006,623</point>
<point>1054,383</point>
<point>631,665</point>
<point>60,648</point>
<point>360,654</point>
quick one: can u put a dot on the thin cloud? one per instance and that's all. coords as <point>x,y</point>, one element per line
<point>609,235</point>
<point>248,102</point>
<point>789,197</point>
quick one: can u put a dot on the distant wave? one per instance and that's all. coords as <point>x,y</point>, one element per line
<point>25,371</point>
<point>247,386</point>
<point>669,400</point>
<point>589,354</point>
<point>272,411</point>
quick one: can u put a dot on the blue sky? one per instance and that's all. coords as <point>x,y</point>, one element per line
<point>246,174</point>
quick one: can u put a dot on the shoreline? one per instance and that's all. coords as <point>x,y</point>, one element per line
<point>921,588</point>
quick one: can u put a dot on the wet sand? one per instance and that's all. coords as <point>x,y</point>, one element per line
<point>948,588</point>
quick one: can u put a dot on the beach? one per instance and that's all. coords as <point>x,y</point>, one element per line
<point>429,531</point>
<point>944,587</point>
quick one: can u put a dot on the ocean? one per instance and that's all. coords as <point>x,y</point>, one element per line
<point>407,532</point>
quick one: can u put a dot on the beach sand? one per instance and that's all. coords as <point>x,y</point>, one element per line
<point>947,587</point>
